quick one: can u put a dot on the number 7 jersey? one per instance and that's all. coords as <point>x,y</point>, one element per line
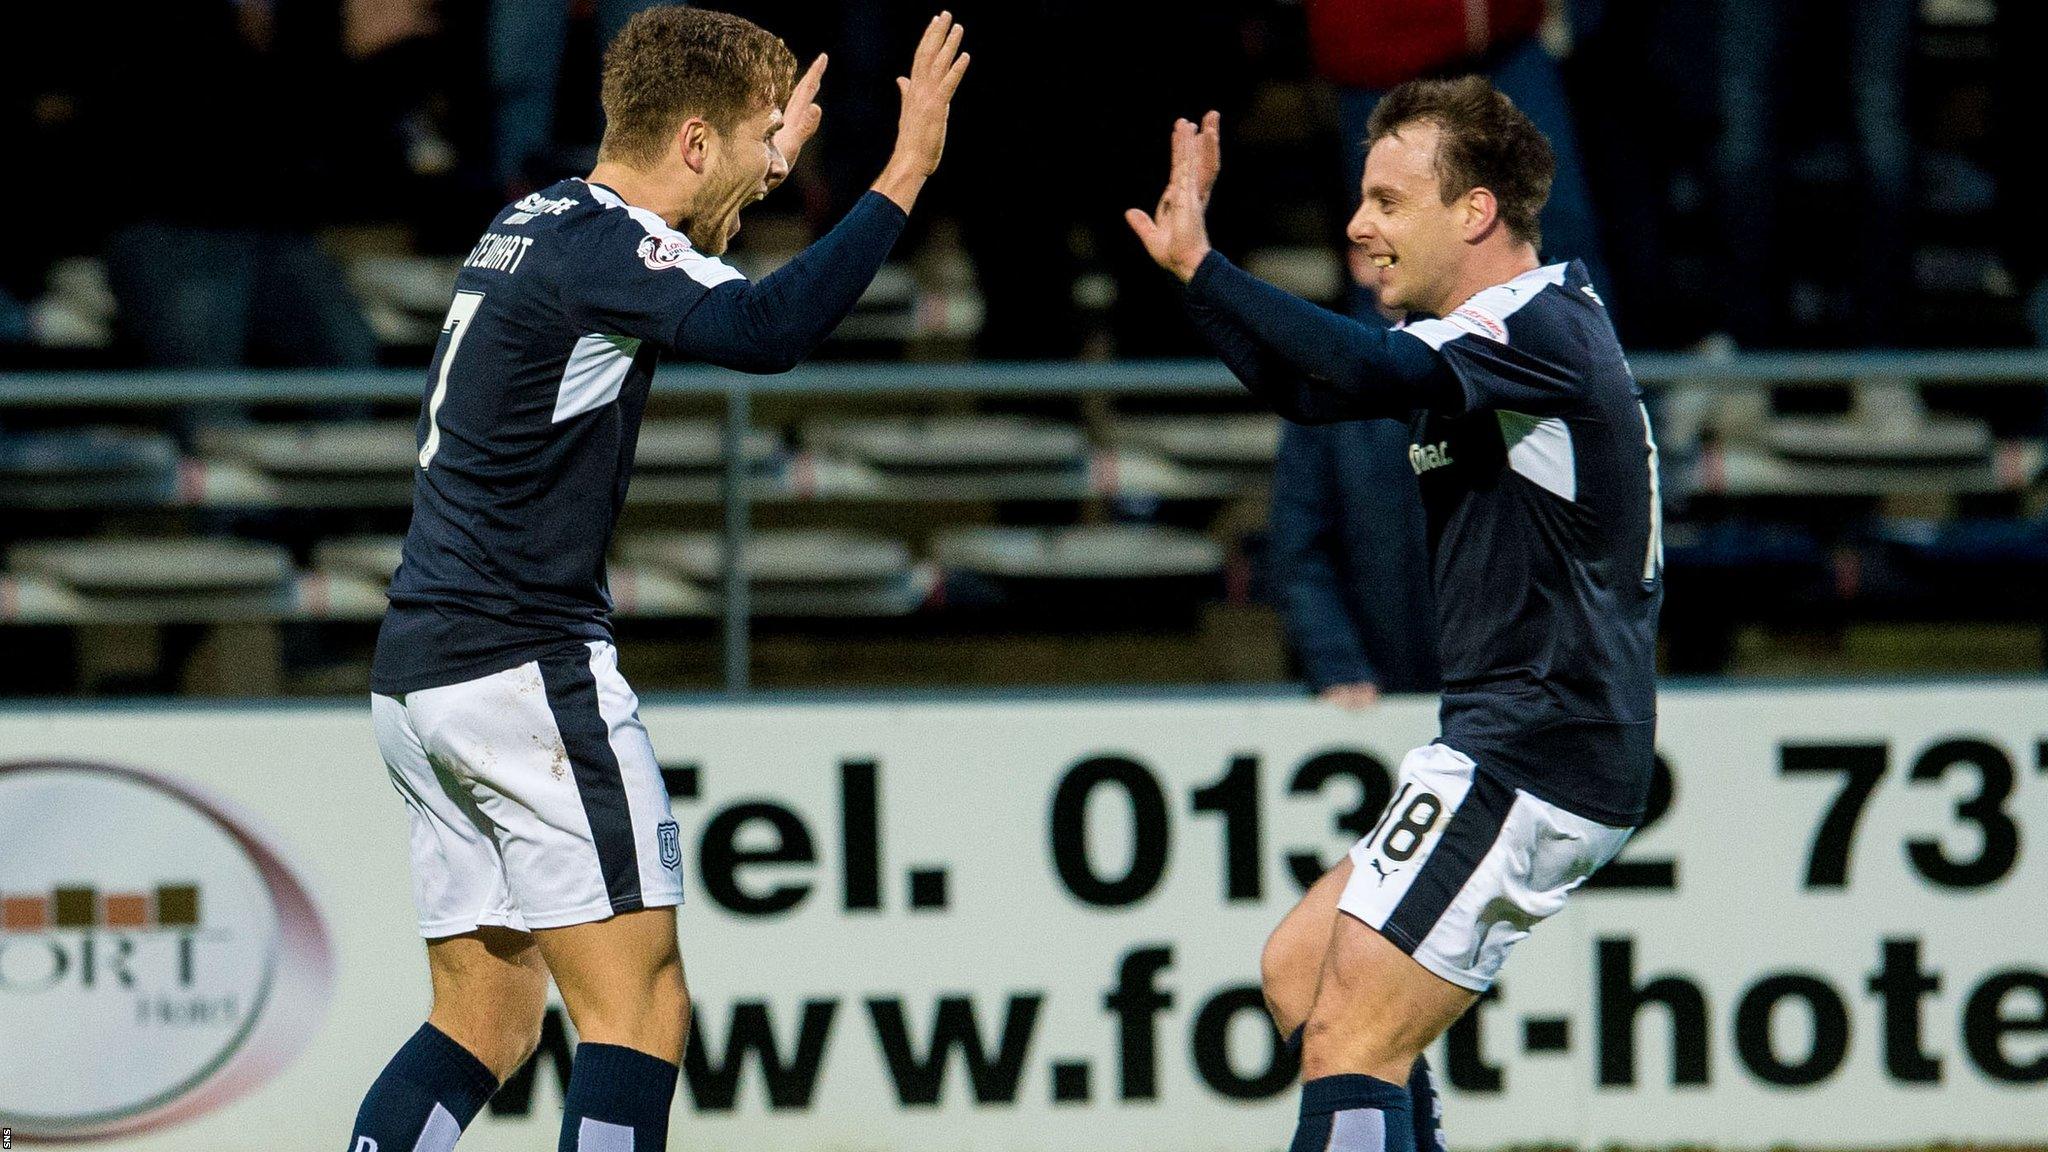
<point>1546,541</point>
<point>527,432</point>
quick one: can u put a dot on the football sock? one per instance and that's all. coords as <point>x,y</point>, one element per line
<point>1353,1113</point>
<point>1423,1102</point>
<point>618,1101</point>
<point>424,1097</point>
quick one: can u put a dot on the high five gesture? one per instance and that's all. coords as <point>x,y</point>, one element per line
<point>1176,234</point>
<point>800,119</point>
<point>935,73</point>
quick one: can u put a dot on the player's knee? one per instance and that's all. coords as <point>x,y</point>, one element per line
<point>499,1020</point>
<point>661,982</point>
<point>640,1008</point>
<point>510,1047</point>
<point>675,993</point>
<point>1325,1052</point>
<point>665,991</point>
<point>514,1038</point>
<point>524,1036</point>
<point>1272,965</point>
<point>1328,1049</point>
<point>1287,968</point>
<point>502,1036</point>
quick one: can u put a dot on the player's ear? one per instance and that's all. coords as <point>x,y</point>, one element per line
<point>694,139</point>
<point>1480,211</point>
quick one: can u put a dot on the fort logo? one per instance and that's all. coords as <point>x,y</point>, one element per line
<point>158,956</point>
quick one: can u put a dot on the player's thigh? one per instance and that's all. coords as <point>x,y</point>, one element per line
<point>458,876</point>
<point>490,994</point>
<point>622,979</point>
<point>1292,963</point>
<point>1459,869</point>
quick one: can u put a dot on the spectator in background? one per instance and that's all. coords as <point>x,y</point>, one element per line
<point>215,113</point>
<point>1350,557</point>
<point>1350,562</point>
<point>1648,112</point>
<point>1750,164</point>
<point>529,39</point>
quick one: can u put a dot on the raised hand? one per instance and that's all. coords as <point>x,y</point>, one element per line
<point>1176,233</point>
<point>1208,154</point>
<point>935,73</point>
<point>800,117</point>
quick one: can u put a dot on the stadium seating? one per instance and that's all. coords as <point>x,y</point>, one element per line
<point>911,508</point>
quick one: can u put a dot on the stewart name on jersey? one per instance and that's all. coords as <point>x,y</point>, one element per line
<point>533,405</point>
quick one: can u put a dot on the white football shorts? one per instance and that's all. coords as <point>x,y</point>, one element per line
<point>536,800</point>
<point>1461,865</point>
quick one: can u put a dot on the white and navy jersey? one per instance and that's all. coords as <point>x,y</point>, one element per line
<point>1544,525</point>
<point>1538,475</point>
<point>533,404</point>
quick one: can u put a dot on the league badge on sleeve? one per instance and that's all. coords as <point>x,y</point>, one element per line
<point>658,252</point>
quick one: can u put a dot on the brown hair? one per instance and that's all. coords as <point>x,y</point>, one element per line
<point>671,62</point>
<point>1486,142</point>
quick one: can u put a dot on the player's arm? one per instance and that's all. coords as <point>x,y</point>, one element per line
<point>773,325</point>
<point>1312,365</point>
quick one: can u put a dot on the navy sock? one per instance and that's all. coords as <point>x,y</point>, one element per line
<point>1353,1113</point>
<point>424,1098</point>
<point>1429,1108</point>
<point>1423,1101</point>
<point>618,1101</point>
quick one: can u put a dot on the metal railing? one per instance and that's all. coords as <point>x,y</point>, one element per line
<point>157,388</point>
<point>161,389</point>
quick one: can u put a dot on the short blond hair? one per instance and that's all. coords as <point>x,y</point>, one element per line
<point>673,62</point>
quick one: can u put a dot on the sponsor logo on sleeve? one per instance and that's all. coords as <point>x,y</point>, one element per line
<point>658,252</point>
<point>1479,322</point>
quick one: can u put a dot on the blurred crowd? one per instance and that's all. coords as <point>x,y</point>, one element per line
<point>193,178</point>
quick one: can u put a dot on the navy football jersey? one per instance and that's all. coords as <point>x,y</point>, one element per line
<point>527,432</point>
<point>1545,537</point>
